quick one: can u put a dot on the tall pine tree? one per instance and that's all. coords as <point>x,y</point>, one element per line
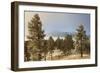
<point>80,38</point>
<point>36,34</point>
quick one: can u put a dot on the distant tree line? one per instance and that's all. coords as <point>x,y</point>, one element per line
<point>37,48</point>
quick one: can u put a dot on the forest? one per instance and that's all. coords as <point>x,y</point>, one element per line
<point>37,48</point>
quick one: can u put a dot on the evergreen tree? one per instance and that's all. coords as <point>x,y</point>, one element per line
<point>36,34</point>
<point>26,51</point>
<point>58,43</point>
<point>45,48</point>
<point>51,46</point>
<point>68,44</point>
<point>80,38</point>
<point>86,44</point>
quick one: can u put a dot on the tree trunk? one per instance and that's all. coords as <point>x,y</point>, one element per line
<point>51,55</point>
<point>45,56</point>
<point>39,57</point>
<point>81,49</point>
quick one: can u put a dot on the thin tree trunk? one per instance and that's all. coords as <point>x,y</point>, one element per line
<point>51,55</point>
<point>39,57</point>
<point>45,57</point>
<point>81,49</point>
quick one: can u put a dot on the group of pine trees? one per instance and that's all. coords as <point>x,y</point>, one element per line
<point>37,48</point>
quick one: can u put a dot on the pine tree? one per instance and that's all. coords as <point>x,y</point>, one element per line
<point>68,44</point>
<point>51,46</point>
<point>45,48</point>
<point>36,34</point>
<point>58,43</point>
<point>26,51</point>
<point>80,38</point>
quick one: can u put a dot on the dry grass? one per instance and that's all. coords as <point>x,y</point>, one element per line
<point>78,56</point>
<point>70,57</point>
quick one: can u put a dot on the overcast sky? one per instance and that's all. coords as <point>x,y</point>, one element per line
<point>59,22</point>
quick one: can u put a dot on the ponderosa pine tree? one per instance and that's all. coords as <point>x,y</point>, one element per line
<point>58,43</point>
<point>50,46</point>
<point>45,48</point>
<point>80,38</point>
<point>26,51</point>
<point>36,34</point>
<point>68,44</point>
